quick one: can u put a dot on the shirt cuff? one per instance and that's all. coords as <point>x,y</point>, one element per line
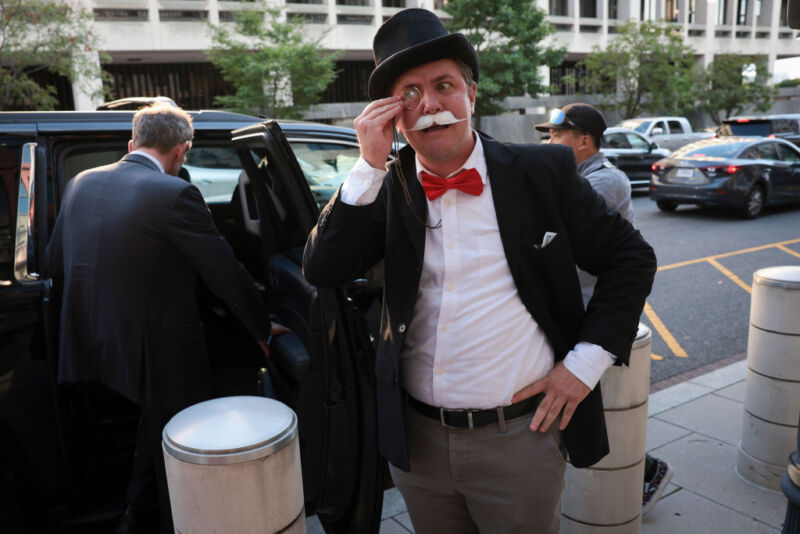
<point>588,362</point>
<point>362,185</point>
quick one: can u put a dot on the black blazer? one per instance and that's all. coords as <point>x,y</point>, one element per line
<point>536,189</point>
<point>129,242</point>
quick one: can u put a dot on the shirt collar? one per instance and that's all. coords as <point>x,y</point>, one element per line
<point>476,160</point>
<point>591,161</point>
<point>150,157</point>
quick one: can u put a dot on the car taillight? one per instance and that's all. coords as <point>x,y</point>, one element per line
<point>656,167</point>
<point>742,120</point>
<point>725,169</point>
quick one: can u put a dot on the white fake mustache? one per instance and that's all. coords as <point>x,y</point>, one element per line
<point>443,118</point>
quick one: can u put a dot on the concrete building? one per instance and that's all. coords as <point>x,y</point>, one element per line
<point>156,46</point>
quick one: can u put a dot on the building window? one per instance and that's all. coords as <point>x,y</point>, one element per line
<point>671,11</point>
<point>304,1</point>
<point>393,3</point>
<point>179,15</point>
<point>439,4</point>
<point>559,8</point>
<point>589,9</point>
<point>120,14</point>
<point>722,12</point>
<point>352,2</point>
<point>309,18</point>
<point>741,13</point>
<point>350,84</point>
<point>567,78</point>
<point>648,10</point>
<point>354,19</point>
<point>613,9</point>
<point>783,21</point>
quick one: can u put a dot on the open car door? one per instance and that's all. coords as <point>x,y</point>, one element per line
<point>324,369</point>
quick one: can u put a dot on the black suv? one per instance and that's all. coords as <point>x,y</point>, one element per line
<point>778,126</point>
<point>64,461</point>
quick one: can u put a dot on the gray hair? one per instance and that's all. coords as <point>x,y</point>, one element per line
<point>161,126</point>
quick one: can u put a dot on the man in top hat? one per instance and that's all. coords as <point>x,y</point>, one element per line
<point>487,363</point>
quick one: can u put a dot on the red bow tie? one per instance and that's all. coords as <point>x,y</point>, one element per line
<point>468,181</point>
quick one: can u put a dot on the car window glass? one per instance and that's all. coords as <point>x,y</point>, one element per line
<point>675,127</point>
<point>615,140</point>
<point>761,128</point>
<point>637,141</point>
<point>767,151</point>
<point>639,126</point>
<point>726,150</point>
<point>788,153</point>
<point>663,126</point>
<point>77,161</point>
<point>325,166</point>
<point>214,170</point>
<point>10,153</point>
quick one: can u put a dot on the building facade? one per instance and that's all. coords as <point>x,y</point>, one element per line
<point>157,46</point>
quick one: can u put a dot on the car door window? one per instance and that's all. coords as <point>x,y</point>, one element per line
<point>662,126</point>
<point>325,165</point>
<point>615,140</point>
<point>675,127</point>
<point>767,151</point>
<point>637,141</point>
<point>789,154</point>
<point>10,157</point>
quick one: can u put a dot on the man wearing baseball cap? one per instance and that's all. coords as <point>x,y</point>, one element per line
<point>487,363</point>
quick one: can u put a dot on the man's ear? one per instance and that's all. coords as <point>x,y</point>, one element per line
<point>472,92</point>
<point>130,145</point>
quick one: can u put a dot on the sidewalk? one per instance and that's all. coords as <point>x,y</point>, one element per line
<point>695,426</point>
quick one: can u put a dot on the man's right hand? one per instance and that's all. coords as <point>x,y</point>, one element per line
<point>375,129</point>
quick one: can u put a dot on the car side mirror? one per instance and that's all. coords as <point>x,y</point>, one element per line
<point>657,131</point>
<point>653,146</point>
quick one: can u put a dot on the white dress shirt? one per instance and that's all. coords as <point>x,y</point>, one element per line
<point>471,342</point>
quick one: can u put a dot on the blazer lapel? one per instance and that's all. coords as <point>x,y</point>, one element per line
<point>414,216</point>
<point>508,195</point>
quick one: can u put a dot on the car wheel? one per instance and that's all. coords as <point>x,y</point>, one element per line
<point>754,202</point>
<point>665,205</point>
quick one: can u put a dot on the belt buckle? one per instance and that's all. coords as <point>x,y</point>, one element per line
<point>444,424</point>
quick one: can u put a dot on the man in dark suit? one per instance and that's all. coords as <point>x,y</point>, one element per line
<point>486,358</point>
<point>129,242</point>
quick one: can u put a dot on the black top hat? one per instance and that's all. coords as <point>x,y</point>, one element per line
<point>410,38</point>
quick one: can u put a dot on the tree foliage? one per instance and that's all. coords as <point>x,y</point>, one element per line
<point>508,36</point>
<point>275,70</point>
<point>645,68</point>
<point>723,89</point>
<point>38,35</point>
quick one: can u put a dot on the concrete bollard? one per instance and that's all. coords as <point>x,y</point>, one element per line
<point>233,465</point>
<point>607,497</point>
<point>772,384</point>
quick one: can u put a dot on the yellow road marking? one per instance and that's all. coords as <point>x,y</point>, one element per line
<point>790,251</point>
<point>656,357</point>
<point>665,334</point>
<point>727,254</point>
<point>735,279</point>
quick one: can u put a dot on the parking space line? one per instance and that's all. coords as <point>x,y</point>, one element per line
<point>787,249</point>
<point>735,279</point>
<point>665,334</point>
<point>734,253</point>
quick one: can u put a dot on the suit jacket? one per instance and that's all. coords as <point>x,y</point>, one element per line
<point>536,189</point>
<point>129,242</point>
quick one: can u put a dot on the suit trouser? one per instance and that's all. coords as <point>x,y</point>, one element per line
<point>483,480</point>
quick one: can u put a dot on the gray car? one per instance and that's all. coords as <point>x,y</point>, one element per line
<point>632,153</point>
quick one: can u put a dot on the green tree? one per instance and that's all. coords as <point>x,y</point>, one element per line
<point>275,70</point>
<point>38,35</point>
<point>508,36</point>
<point>724,87</point>
<point>645,68</point>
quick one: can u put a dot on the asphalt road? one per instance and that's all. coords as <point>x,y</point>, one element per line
<point>700,304</point>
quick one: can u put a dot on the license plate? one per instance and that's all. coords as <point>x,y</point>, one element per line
<point>685,173</point>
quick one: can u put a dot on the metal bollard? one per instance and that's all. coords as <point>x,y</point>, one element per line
<point>772,385</point>
<point>790,484</point>
<point>233,465</point>
<point>607,497</point>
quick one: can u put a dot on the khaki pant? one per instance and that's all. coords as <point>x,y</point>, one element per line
<point>482,480</point>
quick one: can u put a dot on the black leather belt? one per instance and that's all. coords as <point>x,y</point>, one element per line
<point>476,418</point>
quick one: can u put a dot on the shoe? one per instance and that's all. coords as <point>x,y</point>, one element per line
<point>654,488</point>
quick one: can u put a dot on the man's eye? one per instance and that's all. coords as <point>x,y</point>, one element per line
<point>443,86</point>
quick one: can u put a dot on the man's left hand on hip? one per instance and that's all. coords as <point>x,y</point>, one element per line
<point>562,390</point>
